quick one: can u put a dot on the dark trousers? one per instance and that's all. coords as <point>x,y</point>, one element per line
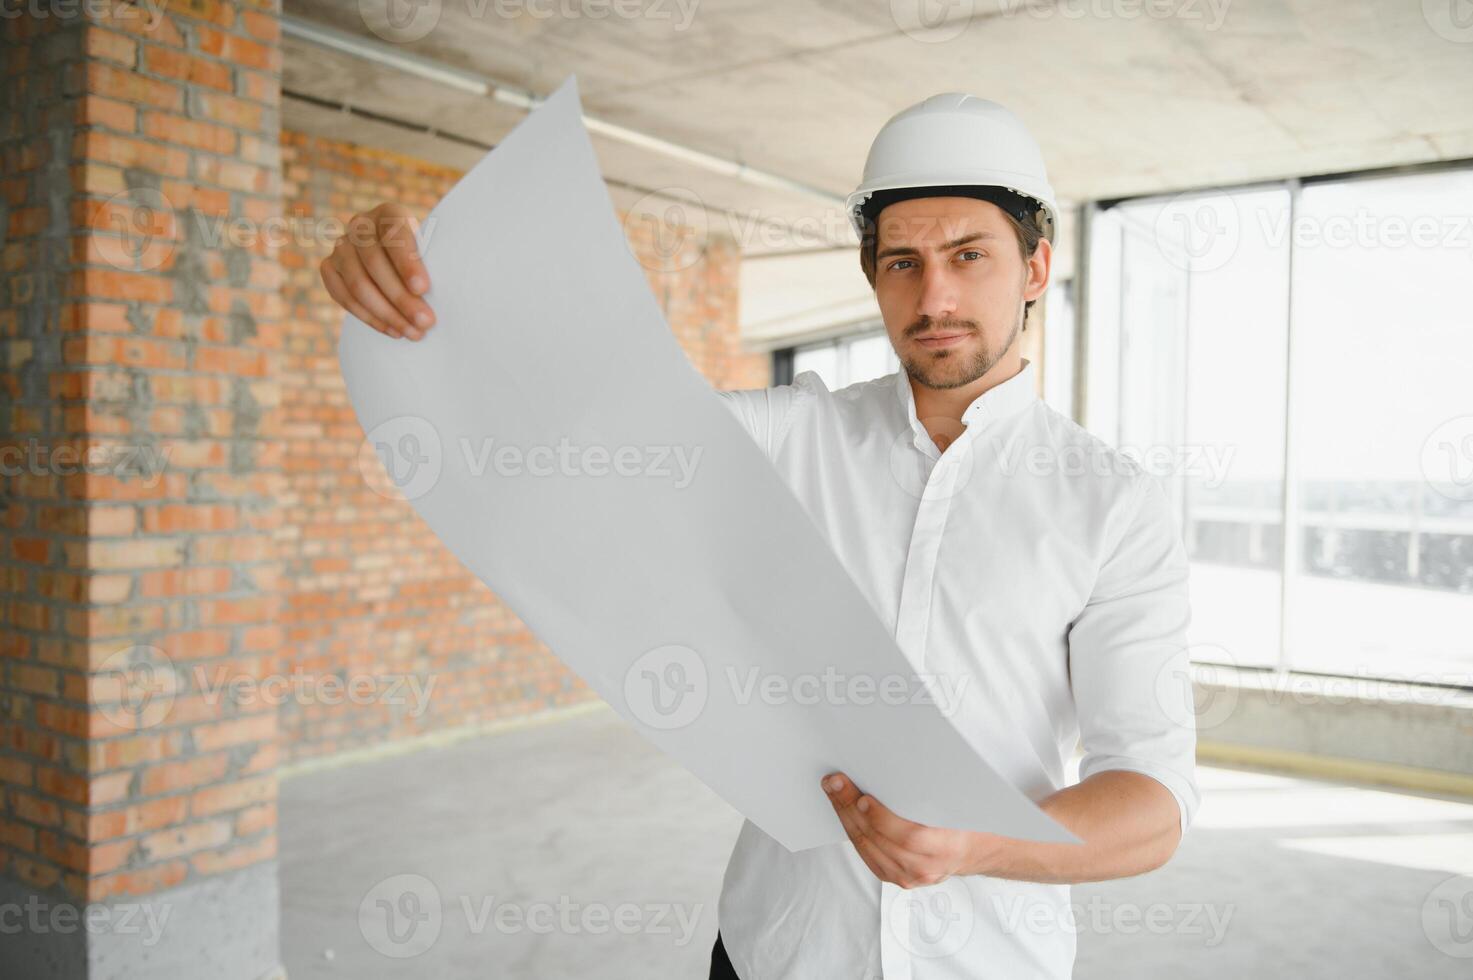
<point>720,965</point>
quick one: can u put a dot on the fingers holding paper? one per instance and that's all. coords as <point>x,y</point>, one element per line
<point>375,272</point>
<point>901,851</point>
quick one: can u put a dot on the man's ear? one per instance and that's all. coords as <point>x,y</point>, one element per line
<point>1040,264</point>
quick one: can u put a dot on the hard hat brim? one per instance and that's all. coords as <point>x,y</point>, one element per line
<point>947,184</point>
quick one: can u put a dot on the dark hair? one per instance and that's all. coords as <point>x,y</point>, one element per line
<point>1021,212</point>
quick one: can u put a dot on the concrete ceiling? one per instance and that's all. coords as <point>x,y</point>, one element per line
<point>1126,97</point>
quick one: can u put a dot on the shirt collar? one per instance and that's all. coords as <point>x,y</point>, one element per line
<point>994,404</point>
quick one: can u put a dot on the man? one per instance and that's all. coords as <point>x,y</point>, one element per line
<point>1005,546</point>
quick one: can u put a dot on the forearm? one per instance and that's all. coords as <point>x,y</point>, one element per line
<point>1129,823</point>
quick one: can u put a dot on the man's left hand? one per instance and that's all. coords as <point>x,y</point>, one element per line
<point>901,851</point>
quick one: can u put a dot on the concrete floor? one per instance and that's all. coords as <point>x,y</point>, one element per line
<point>573,849</point>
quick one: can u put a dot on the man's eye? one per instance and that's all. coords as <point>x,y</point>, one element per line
<point>972,251</point>
<point>898,263</point>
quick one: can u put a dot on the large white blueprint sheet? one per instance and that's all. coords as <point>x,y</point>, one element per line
<point>553,434</point>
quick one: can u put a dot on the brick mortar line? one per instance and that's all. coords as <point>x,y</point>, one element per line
<point>115,300</point>
<point>182,84</point>
<point>190,875</point>
<point>224,220</point>
<point>174,14</point>
<point>100,197</point>
<point>262,134</point>
<point>173,116</point>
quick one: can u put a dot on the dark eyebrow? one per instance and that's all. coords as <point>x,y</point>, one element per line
<point>955,243</point>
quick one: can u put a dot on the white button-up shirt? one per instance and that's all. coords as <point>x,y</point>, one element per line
<point>1038,562</point>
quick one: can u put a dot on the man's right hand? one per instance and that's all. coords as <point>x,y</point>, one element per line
<point>375,272</point>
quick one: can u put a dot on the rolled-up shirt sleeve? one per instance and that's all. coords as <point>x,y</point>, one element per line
<point>1129,663</point>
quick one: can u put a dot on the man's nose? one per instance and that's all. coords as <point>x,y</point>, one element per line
<point>938,294</point>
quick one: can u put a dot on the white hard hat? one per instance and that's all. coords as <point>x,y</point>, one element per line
<point>955,140</point>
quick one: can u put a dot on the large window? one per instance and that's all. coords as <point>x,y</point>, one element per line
<point>847,360</point>
<point>1058,347</point>
<point>1293,362</point>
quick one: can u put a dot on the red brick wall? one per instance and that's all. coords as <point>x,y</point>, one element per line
<point>371,592</point>
<point>159,294</point>
<point>127,326</point>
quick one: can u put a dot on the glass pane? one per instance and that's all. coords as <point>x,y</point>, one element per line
<point>1195,323</point>
<point>870,357</point>
<point>1102,368</point>
<point>823,360</point>
<point>1058,348</point>
<point>1235,418</point>
<point>1382,581</point>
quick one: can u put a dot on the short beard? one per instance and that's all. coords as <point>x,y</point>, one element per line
<point>943,373</point>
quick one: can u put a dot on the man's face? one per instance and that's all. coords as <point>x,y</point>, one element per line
<point>951,281</point>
